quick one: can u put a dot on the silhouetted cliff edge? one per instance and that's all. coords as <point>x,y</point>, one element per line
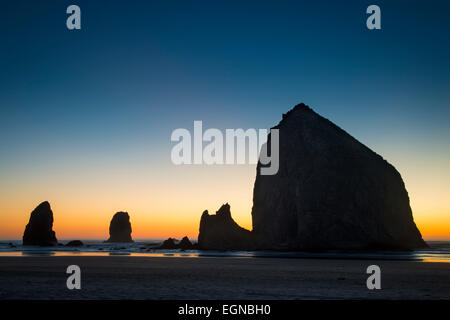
<point>331,192</point>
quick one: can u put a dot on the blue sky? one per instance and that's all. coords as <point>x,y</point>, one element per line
<point>233,63</point>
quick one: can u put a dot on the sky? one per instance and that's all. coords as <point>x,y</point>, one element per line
<point>86,115</point>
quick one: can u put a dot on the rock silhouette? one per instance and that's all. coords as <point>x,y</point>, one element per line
<point>168,244</point>
<point>171,243</point>
<point>185,244</point>
<point>120,228</point>
<point>221,232</point>
<point>39,231</point>
<point>331,192</point>
<point>75,243</point>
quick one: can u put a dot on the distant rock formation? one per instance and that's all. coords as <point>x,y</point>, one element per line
<point>75,243</point>
<point>120,228</point>
<point>39,228</point>
<point>168,244</point>
<point>171,243</point>
<point>221,232</point>
<point>331,192</point>
<point>185,244</point>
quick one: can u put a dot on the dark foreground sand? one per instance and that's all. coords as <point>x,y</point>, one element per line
<point>219,278</point>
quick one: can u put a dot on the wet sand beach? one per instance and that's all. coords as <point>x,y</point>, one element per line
<point>127,277</point>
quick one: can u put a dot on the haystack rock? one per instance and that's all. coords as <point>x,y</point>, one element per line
<point>221,232</point>
<point>331,192</point>
<point>39,229</point>
<point>120,228</point>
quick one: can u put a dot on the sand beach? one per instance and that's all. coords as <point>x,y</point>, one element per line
<point>135,277</point>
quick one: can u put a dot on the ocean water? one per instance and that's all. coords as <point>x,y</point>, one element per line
<point>439,251</point>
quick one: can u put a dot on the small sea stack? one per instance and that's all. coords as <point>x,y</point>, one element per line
<point>120,228</point>
<point>38,231</point>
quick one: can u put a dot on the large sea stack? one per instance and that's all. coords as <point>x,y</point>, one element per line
<point>221,232</point>
<point>331,192</point>
<point>120,228</point>
<point>39,228</point>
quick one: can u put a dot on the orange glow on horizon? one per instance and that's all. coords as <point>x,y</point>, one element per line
<point>68,225</point>
<point>169,202</point>
<point>172,207</point>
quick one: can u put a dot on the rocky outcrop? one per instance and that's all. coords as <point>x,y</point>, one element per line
<point>331,192</point>
<point>171,243</point>
<point>185,244</point>
<point>39,231</point>
<point>168,244</point>
<point>75,243</point>
<point>221,232</point>
<point>120,228</point>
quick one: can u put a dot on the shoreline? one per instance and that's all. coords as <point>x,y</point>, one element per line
<point>226,255</point>
<point>438,252</point>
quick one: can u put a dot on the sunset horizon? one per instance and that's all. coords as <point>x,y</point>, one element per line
<point>87,115</point>
<point>87,220</point>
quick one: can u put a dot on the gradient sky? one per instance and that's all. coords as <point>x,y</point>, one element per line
<point>86,116</point>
